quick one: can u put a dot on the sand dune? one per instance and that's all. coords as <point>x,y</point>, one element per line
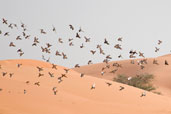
<point>161,72</point>
<point>74,95</point>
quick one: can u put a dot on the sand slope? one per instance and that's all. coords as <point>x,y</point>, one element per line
<point>74,95</point>
<point>161,72</point>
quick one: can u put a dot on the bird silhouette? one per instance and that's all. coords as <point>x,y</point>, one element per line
<point>66,70</point>
<point>77,35</point>
<point>60,79</point>
<point>11,44</point>
<point>82,45</point>
<point>42,31</point>
<point>40,74</point>
<point>71,27</point>
<point>37,83</point>
<point>120,56</point>
<point>166,63</point>
<point>60,40</point>
<point>11,74</point>
<point>4,21</point>
<point>70,39</point>
<point>10,25</point>
<point>159,42</point>
<point>18,38</point>
<point>4,73</point>
<point>54,66</point>
<point>77,66</point>
<point>57,53</point>
<point>63,76</point>
<point>141,54</point>
<point>109,84</point>
<point>81,75</point>
<point>80,30</point>
<point>27,82</point>
<point>64,56</point>
<point>106,42</point>
<point>6,34</point>
<point>118,46</point>
<point>120,39</point>
<point>93,86</point>
<point>39,68</point>
<point>143,94</point>
<point>86,39</point>
<point>93,52</point>
<point>102,73</point>
<point>121,88</point>
<point>55,92</point>
<point>19,65</point>
<point>71,44</point>
<point>48,45</point>
<point>157,49</point>
<point>51,74</point>
<point>54,29</point>
<point>89,62</point>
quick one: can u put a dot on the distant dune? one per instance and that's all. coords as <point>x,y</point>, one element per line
<point>161,72</point>
<point>74,95</point>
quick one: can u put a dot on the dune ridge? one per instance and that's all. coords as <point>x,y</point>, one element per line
<point>74,95</point>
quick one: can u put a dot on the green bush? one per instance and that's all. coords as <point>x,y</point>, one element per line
<point>142,81</point>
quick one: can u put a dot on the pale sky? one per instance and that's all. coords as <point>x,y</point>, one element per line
<point>141,23</point>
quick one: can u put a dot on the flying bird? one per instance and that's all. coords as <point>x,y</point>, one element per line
<point>143,94</point>
<point>4,73</point>
<point>11,74</point>
<point>159,42</point>
<point>77,35</point>
<point>51,74</point>
<point>77,66</point>
<point>54,66</point>
<point>87,39</point>
<point>6,34</point>
<point>71,27</point>
<point>12,44</point>
<point>106,42</point>
<point>93,52</point>
<point>42,31</point>
<point>81,75</point>
<point>60,40</point>
<point>4,21</point>
<point>40,75</point>
<point>66,70</point>
<point>157,49</point>
<point>40,69</point>
<point>120,39</point>
<point>121,88</point>
<point>37,83</point>
<point>118,46</point>
<point>93,86</point>
<point>80,30</point>
<point>64,56</point>
<point>109,84</point>
<point>166,63</point>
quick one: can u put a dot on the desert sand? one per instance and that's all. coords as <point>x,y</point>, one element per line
<point>74,95</point>
<point>161,71</point>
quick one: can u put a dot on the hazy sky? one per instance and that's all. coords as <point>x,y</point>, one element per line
<point>140,23</point>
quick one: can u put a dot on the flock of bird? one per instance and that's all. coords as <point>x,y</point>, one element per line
<point>46,49</point>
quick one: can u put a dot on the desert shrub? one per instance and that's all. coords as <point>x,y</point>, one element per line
<point>142,81</point>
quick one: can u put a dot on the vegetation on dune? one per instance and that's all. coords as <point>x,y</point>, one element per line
<point>143,81</point>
